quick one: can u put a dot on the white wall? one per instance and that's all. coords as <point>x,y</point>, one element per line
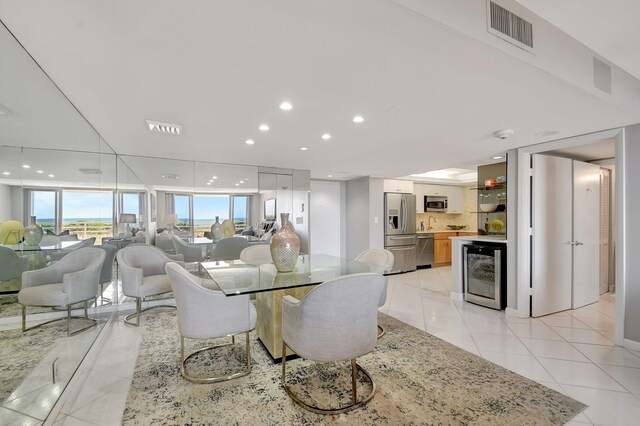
<point>376,213</point>
<point>325,217</point>
<point>17,204</point>
<point>357,214</point>
<point>5,203</point>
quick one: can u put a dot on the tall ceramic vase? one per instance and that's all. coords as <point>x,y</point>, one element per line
<point>285,246</point>
<point>216,230</point>
<point>33,233</point>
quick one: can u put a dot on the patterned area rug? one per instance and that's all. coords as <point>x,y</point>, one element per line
<point>420,380</point>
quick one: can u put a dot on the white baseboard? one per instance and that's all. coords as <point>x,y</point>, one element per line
<point>513,313</point>
<point>631,344</point>
<point>457,296</point>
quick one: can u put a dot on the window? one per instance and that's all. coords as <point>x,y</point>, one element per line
<point>130,203</point>
<point>88,213</point>
<point>240,211</point>
<point>44,207</point>
<point>205,210</point>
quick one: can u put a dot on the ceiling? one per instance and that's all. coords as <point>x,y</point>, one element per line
<point>601,150</point>
<point>222,69</point>
<point>608,27</point>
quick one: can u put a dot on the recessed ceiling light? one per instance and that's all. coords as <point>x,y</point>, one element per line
<point>237,184</point>
<point>40,171</point>
<point>249,142</point>
<point>51,175</point>
<point>246,178</point>
<point>26,166</point>
<point>286,106</point>
<point>358,119</point>
<point>497,157</point>
<point>326,136</point>
<point>329,176</point>
<point>168,128</point>
<point>208,183</point>
<point>241,181</point>
<point>6,173</point>
<point>214,177</point>
<point>263,127</point>
<point>303,148</point>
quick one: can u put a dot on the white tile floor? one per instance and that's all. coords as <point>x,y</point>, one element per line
<point>571,352</point>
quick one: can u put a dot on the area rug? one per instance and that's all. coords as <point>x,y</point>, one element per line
<point>420,379</point>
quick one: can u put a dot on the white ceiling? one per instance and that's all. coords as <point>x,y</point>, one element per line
<point>609,27</point>
<point>431,97</point>
<point>601,150</point>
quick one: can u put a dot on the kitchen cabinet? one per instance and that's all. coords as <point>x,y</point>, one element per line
<point>397,185</point>
<point>418,190</point>
<point>435,190</point>
<point>442,247</point>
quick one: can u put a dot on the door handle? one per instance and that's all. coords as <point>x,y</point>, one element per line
<point>578,243</point>
<point>571,243</point>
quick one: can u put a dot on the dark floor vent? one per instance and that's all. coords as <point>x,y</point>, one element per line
<point>510,25</point>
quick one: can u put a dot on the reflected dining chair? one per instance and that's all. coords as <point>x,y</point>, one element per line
<point>71,280</point>
<point>11,265</point>
<point>383,259</point>
<point>208,314</point>
<point>258,254</point>
<point>106,273</point>
<point>59,254</point>
<point>143,275</point>
<point>229,248</point>
<point>191,252</point>
<point>335,322</point>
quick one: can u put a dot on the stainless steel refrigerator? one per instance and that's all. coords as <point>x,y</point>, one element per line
<point>400,230</point>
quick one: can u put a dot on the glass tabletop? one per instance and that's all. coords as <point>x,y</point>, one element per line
<point>235,277</point>
<point>60,245</point>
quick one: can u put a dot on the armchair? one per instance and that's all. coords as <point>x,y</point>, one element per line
<point>229,248</point>
<point>59,254</point>
<point>72,280</point>
<point>384,259</point>
<point>336,321</point>
<point>106,272</point>
<point>191,252</point>
<point>142,269</point>
<point>207,314</point>
<point>258,254</point>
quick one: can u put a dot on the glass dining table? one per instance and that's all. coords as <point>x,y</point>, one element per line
<point>269,287</point>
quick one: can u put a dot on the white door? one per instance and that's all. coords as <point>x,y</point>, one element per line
<point>586,233</point>
<point>325,217</point>
<point>551,266</point>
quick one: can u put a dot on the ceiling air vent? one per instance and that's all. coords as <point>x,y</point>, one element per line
<point>91,171</point>
<point>168,128</point>
<point>170,176</point>
<point>510,27</point>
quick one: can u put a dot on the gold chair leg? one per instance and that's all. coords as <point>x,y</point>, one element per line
<point>319,410</point>
<point>139,311</point>
<point>183,361</point>
<point>381,331</point>
<point>93,322</point>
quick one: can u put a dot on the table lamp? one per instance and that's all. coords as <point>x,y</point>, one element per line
<point>127,218</point>
<point>170,219</point>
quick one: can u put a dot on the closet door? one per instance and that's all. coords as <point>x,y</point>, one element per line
<point>586,234</point>
<point>551,265</point>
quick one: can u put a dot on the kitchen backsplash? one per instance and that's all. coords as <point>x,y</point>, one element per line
<point>469,204</point>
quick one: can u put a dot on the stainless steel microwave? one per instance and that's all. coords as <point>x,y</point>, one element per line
<point>435,203</point>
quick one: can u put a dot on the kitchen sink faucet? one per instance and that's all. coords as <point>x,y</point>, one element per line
<point>429,227</point>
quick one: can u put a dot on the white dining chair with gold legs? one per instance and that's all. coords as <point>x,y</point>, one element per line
<point>383,259</point>
<point>335,322</point>
<point>209,314</point>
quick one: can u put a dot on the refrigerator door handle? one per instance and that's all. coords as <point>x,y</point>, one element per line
<point>403,213</point>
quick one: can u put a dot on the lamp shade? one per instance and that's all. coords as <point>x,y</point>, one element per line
<point>127,218</point>
<point>170,218</point>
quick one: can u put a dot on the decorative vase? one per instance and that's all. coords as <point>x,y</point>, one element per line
<point>216,230</point>
<point>285,246</point>
<point>33,233</point>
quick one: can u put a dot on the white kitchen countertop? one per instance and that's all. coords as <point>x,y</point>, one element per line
<point>434,231</point>
<point>486,238</point>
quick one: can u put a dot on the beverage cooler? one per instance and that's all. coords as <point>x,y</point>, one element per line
<point>485,274</point>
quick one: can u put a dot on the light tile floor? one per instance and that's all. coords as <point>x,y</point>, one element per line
<point>571,352</point>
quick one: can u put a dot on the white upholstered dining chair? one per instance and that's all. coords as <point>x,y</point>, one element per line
<point>208,314</point>
<point>229,248</point>
<point>383,259</point>
<point>191,252</point>
<point>71,280</point>
<point>336,321</point>
<point>143,275</point>
<point>59,254</point>
<point>258,254</point>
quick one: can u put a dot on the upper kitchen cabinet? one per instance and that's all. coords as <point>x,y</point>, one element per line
<point>418,190</point>
<point>396,185</point>
<point>453,194</point>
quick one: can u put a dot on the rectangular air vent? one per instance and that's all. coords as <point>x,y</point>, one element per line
<point>510,27</point>
<point>91,171</point>
<point>168,128</point>
<point>170,176</point>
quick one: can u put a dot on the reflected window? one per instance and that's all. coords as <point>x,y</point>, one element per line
<point>88,213</point>
<point>43,205</point>
<point>205,210</point>
<point>183,211</point>
<point>240,211</point>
